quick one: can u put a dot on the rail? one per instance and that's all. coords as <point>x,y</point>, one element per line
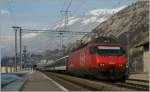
<point>102,85</point>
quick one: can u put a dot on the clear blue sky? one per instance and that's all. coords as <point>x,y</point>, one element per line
<point>44,13</point>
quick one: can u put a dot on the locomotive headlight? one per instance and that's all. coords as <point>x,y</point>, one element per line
<point>101,64</point>
<point>121,65</point>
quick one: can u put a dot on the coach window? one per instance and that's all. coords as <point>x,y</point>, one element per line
<point>92,50</point>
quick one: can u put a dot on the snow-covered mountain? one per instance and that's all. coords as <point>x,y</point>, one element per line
<point>87,21</point>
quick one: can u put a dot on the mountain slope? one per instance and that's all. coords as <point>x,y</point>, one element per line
<point>131,21</point>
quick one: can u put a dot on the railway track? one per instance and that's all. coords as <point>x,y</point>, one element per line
<point>134,84</point>
<point>129,85</point>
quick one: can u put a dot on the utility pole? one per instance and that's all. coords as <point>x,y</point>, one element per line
<point>61,40</point>
<point>15,50</point>
<point>20,47</point>
<point>24,55</point>
<point>15,29</point>
<point>66,15</point>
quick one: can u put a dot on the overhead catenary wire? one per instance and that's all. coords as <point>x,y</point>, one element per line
<point>62,14</point>
<point>75,11</point>
<point>79,6</point>
<point>65,11</point>
<point>69,5</point>
<point>12,12</point>
<point>118,3</point>
<point>63,5</point>
<point>66,14</point>
<point>59,23</point>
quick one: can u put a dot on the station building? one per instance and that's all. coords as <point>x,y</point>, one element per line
<point>140,58</point>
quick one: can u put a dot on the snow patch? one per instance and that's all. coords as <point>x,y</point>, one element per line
<point>104,11</point>
<point>72,20</point>
<point>8,78</point>
<point>93,16</point>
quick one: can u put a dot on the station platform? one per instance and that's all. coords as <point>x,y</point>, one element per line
<point>140,76</point>
<point>38,81</point>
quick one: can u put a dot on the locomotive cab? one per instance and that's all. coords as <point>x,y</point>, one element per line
<point>109,59</point>
<point>102,58</point>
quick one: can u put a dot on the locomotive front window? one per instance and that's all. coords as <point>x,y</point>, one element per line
<point>104,39</point>
<point>108,50</point>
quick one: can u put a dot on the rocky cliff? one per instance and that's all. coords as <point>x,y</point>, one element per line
<point>131,23</point>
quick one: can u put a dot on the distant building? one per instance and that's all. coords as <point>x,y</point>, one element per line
<point>140,58</point>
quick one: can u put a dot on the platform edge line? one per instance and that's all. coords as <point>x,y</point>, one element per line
<point>57,84</point>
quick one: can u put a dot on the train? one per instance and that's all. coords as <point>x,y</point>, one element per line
<point>102,58</point>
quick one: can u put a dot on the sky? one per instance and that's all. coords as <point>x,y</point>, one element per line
<point>44,14</point>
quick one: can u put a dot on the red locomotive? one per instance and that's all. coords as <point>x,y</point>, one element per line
<point>102,58</point>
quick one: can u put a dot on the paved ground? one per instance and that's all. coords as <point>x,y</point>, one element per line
<point>68,84</point>
<point>144,76</point>
<point>39,82</point>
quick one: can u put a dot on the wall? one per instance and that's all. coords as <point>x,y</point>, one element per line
<point>146,61</point>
